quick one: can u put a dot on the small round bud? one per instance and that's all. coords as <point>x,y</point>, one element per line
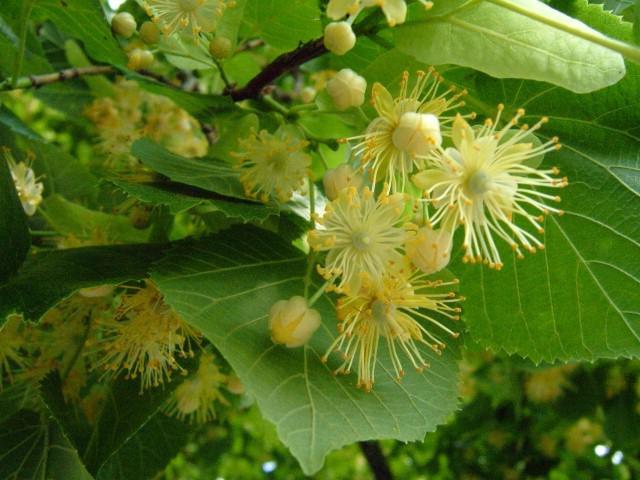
<point>308,94</point>
<point>149,33</point>
<point>220,48</point>
<point>140,59</point>
<point>97,292</point>
<point>235,386</point>
<point>339,37</point>
<point>417,133</point>
<point>346,88</point>
<point>337,179</point>
<point>292,322</point>
<point>123,24</point>
<point>430,250</point>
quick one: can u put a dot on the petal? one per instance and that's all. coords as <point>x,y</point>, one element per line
<point>461,132</point>
<point>383,101</point>
<point>337,9</point>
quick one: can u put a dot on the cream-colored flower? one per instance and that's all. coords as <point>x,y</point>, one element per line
<point>176,15</point>
<point>407,126</point>
<point>394,10</point>
<point>292,322</point>
<point>272,165</point>
<point>392,311</point>
<point>195,398</point>
<point>363,236</point>
<point>484,183</point>
<point>27,186</point>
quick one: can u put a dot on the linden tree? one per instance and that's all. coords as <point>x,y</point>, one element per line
<point>316,207</point>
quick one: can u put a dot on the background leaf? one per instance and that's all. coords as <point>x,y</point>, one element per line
<point>505,44</point>
<point>579,298</point>
<point>15,239</point>
<point>225,286</point>
<point>47,277</point>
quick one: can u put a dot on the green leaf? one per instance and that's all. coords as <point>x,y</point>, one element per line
<point>15,239</point>
<point>14,398</point>
<point>226,285</point>
<point>149,451</point>
<point>505,44</point>
<point>48,277</point>
<point>32,445</point>
<point>578,299</point>
<point>84,20</point>
<point>69,218</point>
<point>285,23</point>
<point>125,426</point>
<point>203,107</point>
<point>180,198</point>
<point>209,174</point>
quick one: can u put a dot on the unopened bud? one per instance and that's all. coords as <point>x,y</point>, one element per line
<point>97,292</point>
<point>430,250</point>
<point>140,59</point>
<point>308,94</point>
<point>339,178</point>
<point>417,133</point>
<point>346,88</point>
<point>220,48</point>
<point>339,37</point>
<point>123,24</point>
<point>292,322</point>
<point>149,33</point>
<point>140,217</point>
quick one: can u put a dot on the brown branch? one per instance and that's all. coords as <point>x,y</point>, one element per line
<point>281,65</point>
<point>376,459</point>
<point>35,81</point>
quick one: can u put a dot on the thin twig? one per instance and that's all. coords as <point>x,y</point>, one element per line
<point>34,81</point>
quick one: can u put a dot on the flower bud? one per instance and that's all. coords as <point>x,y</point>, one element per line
<point>292,322</point>
<point>123,24</point>
<point>97,292</point>
<point>339,37</point>
<point>346,88</point>
<point>430,250</point>
<point>140,59</point>
<point>417,133</point>
<point>308,94</point>
<point>220,48</point>
<point>337,179</point>
<point>149,33</point>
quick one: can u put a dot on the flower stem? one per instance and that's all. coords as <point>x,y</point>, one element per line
<point>321,290</point>
<point>626,49</point>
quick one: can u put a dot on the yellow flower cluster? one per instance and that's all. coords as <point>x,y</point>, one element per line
<point>131,114</point>
<point>145,338</point>
<point>424,154</point>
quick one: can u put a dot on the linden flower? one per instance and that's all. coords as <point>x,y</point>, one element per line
<point>272,165</point>
<point>12,345</point>
<point>27,186</point>
<point>390,310</point>
<point>363,236</point>
<point>194,399</point>
<point>484,182</point>
<point>144,338</point>
<point>407,127</point>
<point>395,11</point>
<point>176,15</point>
